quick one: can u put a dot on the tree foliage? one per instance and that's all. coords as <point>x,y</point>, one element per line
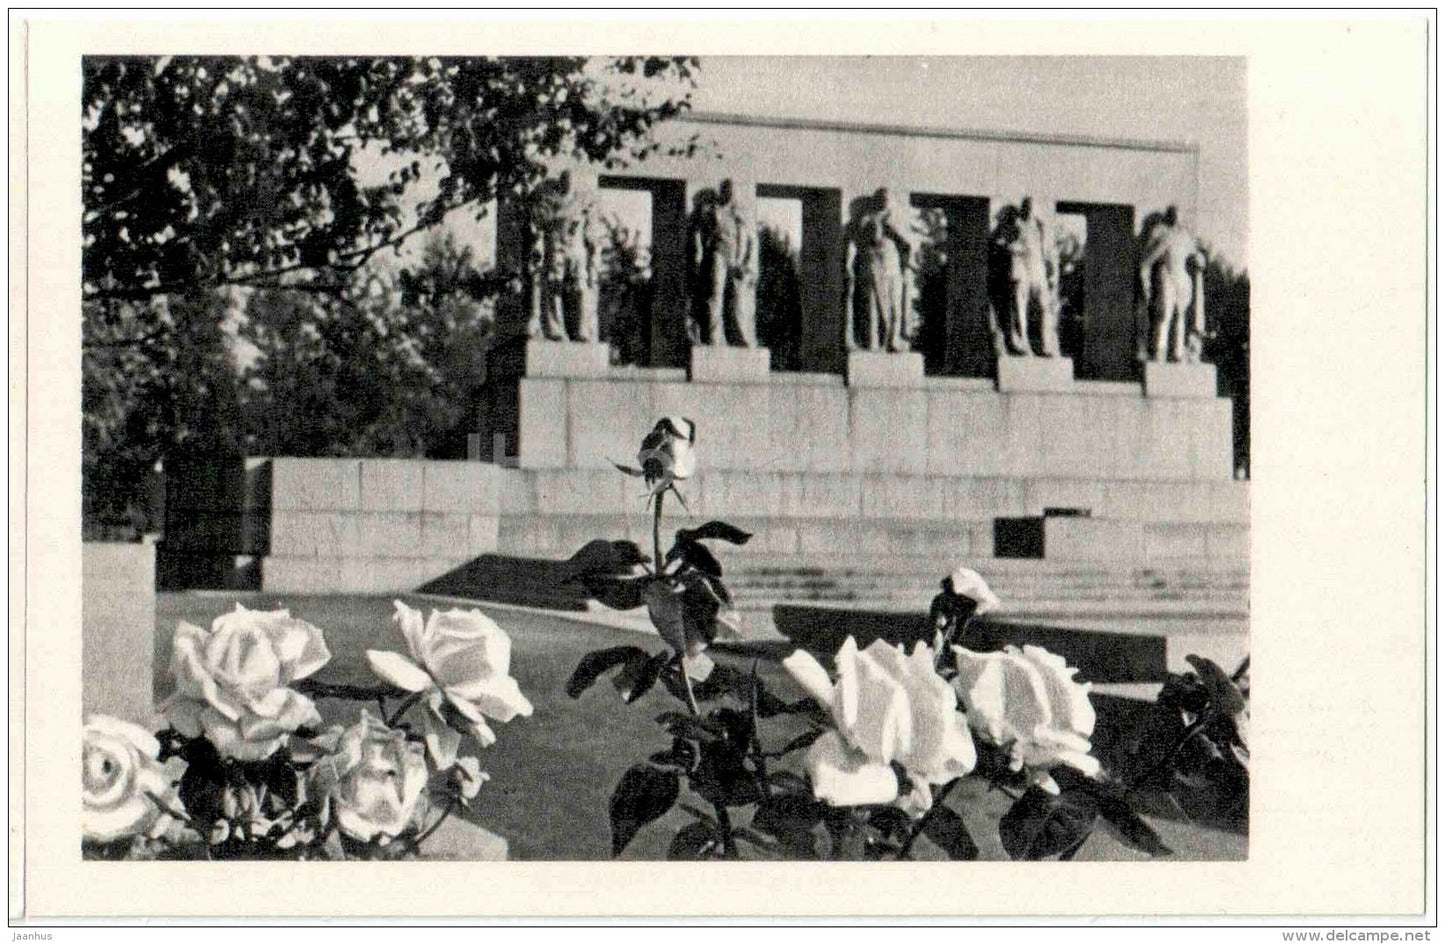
<point>389,367</point>
<point>205,171</point>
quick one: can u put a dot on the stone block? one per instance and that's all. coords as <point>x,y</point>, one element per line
<point>381,574</point>
<point>967,432</point>
<point>588,491</point>
<point>592,423</point>
<point>1127,418</point>
<point>727,364</point>
<point>726,493</point>
<point>1168,447</point>
<point>516,491</point>
<point>1229,501</point>
<point>543,358</point>
<point>825,495</point>
<point>1092,539</point>
<point>889,429</point>
<point>1175,540</point>
<point>482,533</point>
<point>1073,437</point>
<point>465,487</point>
<point>884,369</point>
<point>281,574</point>
<point>444,534</point>
<point>315,533</point>
<point>391,485</point>
<point>1041,494</point>
<point>1022,452</point>
<point>1035,375</point>
<point>1228,542</point>
<point>1180,380</point>
<point>808,430</point>
<point>388,535</point>
<point>316,484</point>
<point>1212,427</point>
<point>118,622</point>
<point>542,423</point>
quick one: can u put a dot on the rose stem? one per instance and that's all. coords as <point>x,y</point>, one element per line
<point>657,532</point>
<point>401,709</point>
<point>426,834</point>
<point>657,570</point>
<point>927,817</point>
<point>687,687</point>
<point>333,690</point>
<point>725,826</point>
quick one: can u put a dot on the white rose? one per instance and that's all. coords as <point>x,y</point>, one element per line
<point>970,585</point>
<point>886,707</point>
<point>461,659</point>
<point>231,682</point>
<point>1028,701</point>
<point>125,790</point>
<point>373,780</point>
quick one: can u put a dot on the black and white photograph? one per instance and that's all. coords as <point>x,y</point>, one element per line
<point>667,458</point>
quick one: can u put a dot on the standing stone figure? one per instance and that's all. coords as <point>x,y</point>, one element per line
<point>878,267</point>
<point>724,251</point>
<point>1033,279</point>
<point>566,254</point>
<point>1172,272</point>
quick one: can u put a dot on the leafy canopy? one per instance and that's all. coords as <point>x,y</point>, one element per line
<point>207,171</point>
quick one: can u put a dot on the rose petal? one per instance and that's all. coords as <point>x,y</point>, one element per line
<point>395,668</point>
<point>1068,700</point>
<point>810,674</point>
<point>883,728</point>
<point>844,777</point>
<point>441,741</point>
<point>413,629</point>
<point>137,736</point>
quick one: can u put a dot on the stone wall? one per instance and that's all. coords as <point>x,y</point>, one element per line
<point>942,470</point>
<point>944,427</point>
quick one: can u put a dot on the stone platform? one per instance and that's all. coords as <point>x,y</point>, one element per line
<point>1180,380</point>
<point>724,364</point>
<point>884,369</point>
<point>1035,374</point>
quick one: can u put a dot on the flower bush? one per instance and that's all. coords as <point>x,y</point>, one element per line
<point>870,757</point>
<point>244,771</point>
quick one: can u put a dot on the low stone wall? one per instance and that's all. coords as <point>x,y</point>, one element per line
<point>118,616</point>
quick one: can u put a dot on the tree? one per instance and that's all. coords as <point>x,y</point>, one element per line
<point>1226,307</point>
<point>167,394</point>
<point>209,171</point>
<point>288,176</point>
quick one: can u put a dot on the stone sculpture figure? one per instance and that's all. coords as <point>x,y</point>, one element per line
<point>724,251</point>
<point>1033,280</point>
<point>1171,270</point>
<point>566,256</point>
<point>879,263</point>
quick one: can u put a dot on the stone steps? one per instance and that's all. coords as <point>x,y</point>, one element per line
<point>1081,539</point>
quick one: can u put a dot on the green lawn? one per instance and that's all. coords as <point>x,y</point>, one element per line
<point>552,774</point>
